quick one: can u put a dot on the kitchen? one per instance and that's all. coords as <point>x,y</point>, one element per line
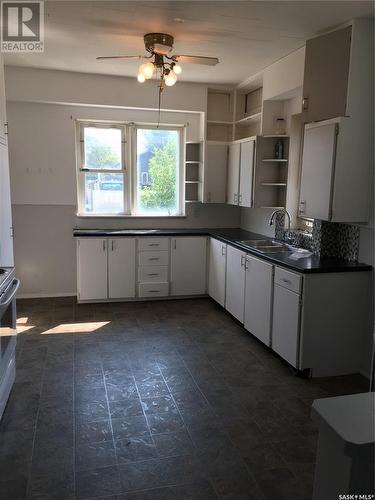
<point>192,260</point>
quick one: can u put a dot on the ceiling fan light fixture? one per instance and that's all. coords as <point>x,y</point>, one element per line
<point>170,79</point>
<point>141,78</point>
<point>147,70</point>
<point>177,69</point>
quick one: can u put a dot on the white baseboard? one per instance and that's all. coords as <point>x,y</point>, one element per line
<point>45,295</point>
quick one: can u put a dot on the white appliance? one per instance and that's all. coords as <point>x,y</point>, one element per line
<point>8,289</point>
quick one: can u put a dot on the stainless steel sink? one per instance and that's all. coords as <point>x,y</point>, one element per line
<point>273,246</point>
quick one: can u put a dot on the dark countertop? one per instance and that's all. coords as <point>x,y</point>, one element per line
<point>307,265</point>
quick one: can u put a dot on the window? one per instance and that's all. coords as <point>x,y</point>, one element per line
<point>101,177</point>
<point>129,170</point>
<point>157,163</point>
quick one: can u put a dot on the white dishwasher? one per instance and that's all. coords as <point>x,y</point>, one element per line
<point>286,315</point>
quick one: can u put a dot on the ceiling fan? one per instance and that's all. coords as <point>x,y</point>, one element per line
<point>159,46</point>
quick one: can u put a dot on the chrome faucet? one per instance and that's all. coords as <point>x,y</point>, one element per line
<point>281,211</point>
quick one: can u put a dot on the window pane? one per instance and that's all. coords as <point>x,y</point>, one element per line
<point>158,159</point>
<point>102,148</point>
<point>104,193</point>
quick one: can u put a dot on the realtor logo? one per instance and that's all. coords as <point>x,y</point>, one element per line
<point>22,26</point>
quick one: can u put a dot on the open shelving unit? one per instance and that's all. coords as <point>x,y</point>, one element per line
<point>194,172</point>
<point>248,111</point>
<point>220,108</point>
<point>271,174</point>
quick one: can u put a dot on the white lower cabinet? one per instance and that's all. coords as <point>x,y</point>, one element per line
<point>92,268</point>
<point>235,282</point>
<point>217,270</point>
<point>106,268</point>
<point>121,268</point>
<point>258,298</point>
<point>285,329</point>
<point>188,265</point>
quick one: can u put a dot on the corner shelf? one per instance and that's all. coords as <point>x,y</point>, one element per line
<point>275,184</point>
<point>249,118</point>
<point>194,172</point>
<point>279,160</point>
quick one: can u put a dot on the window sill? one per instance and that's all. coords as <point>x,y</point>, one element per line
<point>124,216</point>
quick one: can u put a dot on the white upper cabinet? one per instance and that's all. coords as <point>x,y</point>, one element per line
<point>318,161</point>
<point>240,173</point>
<point>258,298</point>
<point>217,270</point>
<point>325,84</point>
<point>235,283</point>
<point>6,229</point>
<point>215,175</point>
<point>121,268</point>
<point>188,265</point>
<point>246,173</point>
<point>233,182</point>
<point>3,118</point>
<point>92,268</point>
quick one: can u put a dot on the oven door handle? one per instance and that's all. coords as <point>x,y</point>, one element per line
<point>14,287</point>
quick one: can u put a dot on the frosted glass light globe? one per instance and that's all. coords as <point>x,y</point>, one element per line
<point>177,69</point>
<point>148,70</point>
<point>170,79</point>
<point>141,78</point>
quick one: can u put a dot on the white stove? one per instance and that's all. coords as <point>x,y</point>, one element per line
<point>8,333</point>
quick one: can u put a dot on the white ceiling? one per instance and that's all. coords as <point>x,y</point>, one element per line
<point>245,35</point>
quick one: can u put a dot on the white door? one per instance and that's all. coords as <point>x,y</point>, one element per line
<point>188,265</point>
<point>6,229</point>
<point>245,198</point>
<point>258,298</point>
<point>121,268</point>
<point>235,282</point>
<point>319,147</point>
<point>3,137</point>
<point>92,269</point>
<point>217,270</point>
<point>215,175</point>
<point>233,180</point>
<point>285,329</point>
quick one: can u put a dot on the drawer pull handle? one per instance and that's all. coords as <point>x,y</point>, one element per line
<point>153,274</point>
<point>154,291</point>
<point>154,258</point>
<point>285,280</point>
<point>154,244</point>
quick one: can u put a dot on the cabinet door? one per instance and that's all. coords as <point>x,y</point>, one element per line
<point>235,282</point>
<point>6,230</point>
<point>92,269</point>
<point>188,265</point>
<point>217,270</point>
<point>258,298</point>
<point>325,83</point>
<point>215,175</point>
<point>121,268</point>
<point>3,136</point>
<point>319,146</point>
<point>233,174</point>
<point>285,328</point>
<point>246,173</point>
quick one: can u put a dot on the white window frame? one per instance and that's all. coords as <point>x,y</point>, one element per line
<point>82,169</point>
<point>180,173</point>
<point>128,167</point>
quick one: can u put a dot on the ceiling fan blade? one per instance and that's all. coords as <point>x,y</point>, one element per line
<point>209,61</point>
<point>120,57</point>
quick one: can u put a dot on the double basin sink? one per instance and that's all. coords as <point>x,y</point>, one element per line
<point>269,246</point>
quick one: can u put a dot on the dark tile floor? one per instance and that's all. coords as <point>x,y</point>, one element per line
<point>158,400</point>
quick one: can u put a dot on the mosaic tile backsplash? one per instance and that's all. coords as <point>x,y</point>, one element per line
<point>328,239</point>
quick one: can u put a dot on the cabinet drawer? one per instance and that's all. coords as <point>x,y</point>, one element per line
<point>150,244</point>
<point>152,274</point>
<point>287,279</point>
<point>155,258</point>
<point>153,289</point>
